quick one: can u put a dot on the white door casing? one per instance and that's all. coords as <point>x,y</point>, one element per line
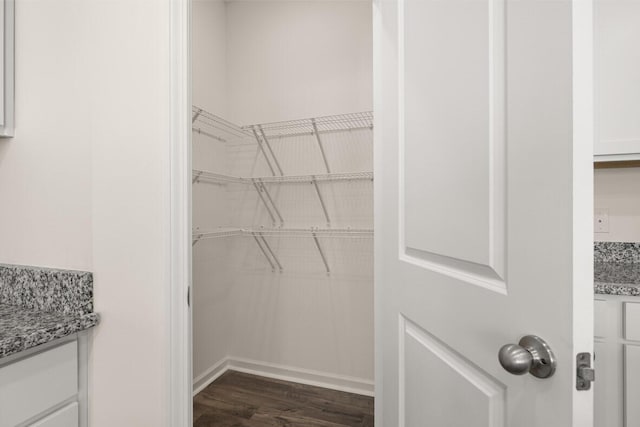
<point>483,152</point>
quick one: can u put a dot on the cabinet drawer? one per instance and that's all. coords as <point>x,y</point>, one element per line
<point>65,417</point>
<point>35,384</point>
<point>632,321</point>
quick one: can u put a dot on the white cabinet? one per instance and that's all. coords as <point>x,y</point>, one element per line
<point>632,384</point>
<point>7,72</point>
<point>37,383</point>
<point>617,71</point>
<point>44,386</point>
<point>617,361</point>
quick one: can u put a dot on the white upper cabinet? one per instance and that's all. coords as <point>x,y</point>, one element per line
<point>6,67</point>
<point>617,68</point>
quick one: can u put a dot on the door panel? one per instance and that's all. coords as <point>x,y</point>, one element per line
<point>426,364</point>
<point>483,190</point>
<point>444,84</point>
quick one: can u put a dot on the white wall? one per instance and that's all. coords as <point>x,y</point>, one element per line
<point>209,52</point>
<point>84,184</point>
<point>211,271</point>
<point>618,190</point>
<point>130,104</point>
<point>45,171</point>
<point>297,59</point>
<point>304,318</point>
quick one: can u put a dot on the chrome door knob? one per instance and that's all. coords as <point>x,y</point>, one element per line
<point>532,354</point>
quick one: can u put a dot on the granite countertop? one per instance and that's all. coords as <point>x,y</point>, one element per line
<point>22,328</point>
<point>39,305</point>
<point>617,268</point>
<point>617,278</point>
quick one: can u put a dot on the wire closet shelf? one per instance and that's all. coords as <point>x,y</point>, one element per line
<point>200,175</point>
<point>221,130</point>
<point>284,232</point>
<point>326,124</point>
<point>208,124</point>
<point>269,254</point>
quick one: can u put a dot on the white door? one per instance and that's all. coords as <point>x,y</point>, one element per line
<point>483,209</point>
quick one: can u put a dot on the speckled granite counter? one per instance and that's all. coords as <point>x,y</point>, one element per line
<point>617,268</point>
<point>39,305</point>
<point>22,328</point>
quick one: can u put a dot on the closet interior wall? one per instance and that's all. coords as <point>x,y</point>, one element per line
<point>212,276</point>
<point>283,60</point>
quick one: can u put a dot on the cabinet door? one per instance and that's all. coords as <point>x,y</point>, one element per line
<point>617,60</point>
<point>33,385</point>
<point>632,385</point>
<point>65,417</point>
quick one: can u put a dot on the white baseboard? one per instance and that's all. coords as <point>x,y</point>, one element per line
<point>210,375</point>
<point>287,373</point>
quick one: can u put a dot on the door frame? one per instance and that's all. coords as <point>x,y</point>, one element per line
<point>179,374</point>
<point>179,351</point>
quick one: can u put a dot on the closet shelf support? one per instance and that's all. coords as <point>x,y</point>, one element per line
<point>268,201</point>
<point>273,204</point>
<point>264,153</point>
<point>273,255</point>
<point>273,155</point>
<point>196,115</point>
<point>266,205</point>
<point>317,135</point>
<point>210,135</point>
<point>324,207</point>
<point>264,252</point>
<point>324,259</point>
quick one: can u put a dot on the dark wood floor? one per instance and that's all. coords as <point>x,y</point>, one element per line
<point>237,399</point>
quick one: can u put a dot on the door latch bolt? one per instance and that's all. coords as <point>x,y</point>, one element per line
<point>585,374</point>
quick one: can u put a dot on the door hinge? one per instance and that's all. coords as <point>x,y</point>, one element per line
<point>585,374</point>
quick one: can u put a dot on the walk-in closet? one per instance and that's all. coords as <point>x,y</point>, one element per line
<point>282,206</point>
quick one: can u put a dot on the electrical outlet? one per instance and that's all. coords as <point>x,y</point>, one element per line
<point>601,221</point>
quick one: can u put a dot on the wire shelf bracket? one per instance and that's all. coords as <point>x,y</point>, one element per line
<point>324,258</point>
<point>266,205</point>
<point>264,252</point>
<point>197,114</point>
<point>264,153</point>
<point>319,140</point>
<point>273,156</point>
<point>273,205</point>
<point>273,255</point>
<point>324,207</point>
<point>267,201</point>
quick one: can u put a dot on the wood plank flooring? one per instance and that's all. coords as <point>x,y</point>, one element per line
<point>237,399</point>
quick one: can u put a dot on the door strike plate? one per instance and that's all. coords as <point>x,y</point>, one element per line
<point>585,374</point>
